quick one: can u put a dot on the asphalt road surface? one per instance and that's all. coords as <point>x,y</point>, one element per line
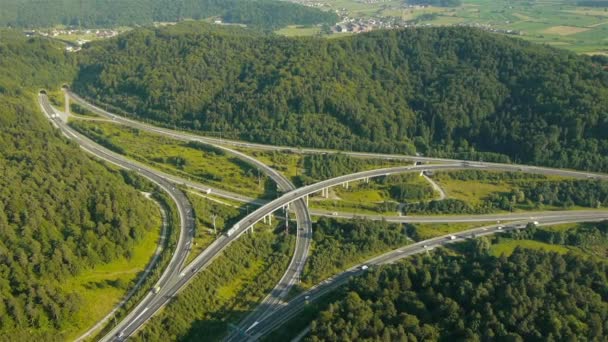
<point>513,167</point>
<point>303,219</point>
<point>210,253</point>
<point>296,305</point>
<point>185,211</point>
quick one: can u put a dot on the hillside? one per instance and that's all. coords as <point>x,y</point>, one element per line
<point>527,296</point>
<point>266,14</point>
<point>440,91</point>
<point>60,212</point>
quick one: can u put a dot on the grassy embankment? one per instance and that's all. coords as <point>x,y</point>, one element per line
<point>195,161</point>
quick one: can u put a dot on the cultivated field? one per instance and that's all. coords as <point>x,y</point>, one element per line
<point>555,22</point>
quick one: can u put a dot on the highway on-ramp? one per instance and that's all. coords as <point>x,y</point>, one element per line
<point>304,222</point>
<point>385,156</point>
<point>184,208</point>
<point>267,209</point>
<point>207,256</point>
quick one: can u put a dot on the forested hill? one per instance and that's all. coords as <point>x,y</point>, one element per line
<point>265,14</point>
<point>60,212</point>
<point>527,296</point>
<point>446,91</point>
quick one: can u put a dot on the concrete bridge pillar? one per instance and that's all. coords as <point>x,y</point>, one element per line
<point>326,192</point>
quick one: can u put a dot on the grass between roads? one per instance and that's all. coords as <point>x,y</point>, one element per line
<point>104,286</point>
<point>424,231</point>
<point>204,210</point>
<point>208,165</point>
<point>474,191</point>
<point>373,197</point>
<point>225,292</point>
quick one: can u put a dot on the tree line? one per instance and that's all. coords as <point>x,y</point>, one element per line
<point>60,212</point>
<point>442,91</point>
<point>527,296</point>
<point>530,194</point>
<point>338,244</point>
<point>265,14</point>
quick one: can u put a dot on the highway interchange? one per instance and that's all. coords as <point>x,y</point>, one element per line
<point>303,219</point>
<point>265,317</point>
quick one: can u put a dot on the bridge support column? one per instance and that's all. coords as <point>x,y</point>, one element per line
<point>264,219</point>
<point>270,219</point>
<point>286,222</point>
<point>307,200</point>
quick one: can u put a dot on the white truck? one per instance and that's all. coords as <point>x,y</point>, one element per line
<point>232,230</point>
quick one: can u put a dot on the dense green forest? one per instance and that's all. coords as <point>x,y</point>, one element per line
<point>232,286</point>
<point>338,244</point>
<point>265,14</point>
<point>527,296</point>
<point>60,212</point>
<point>441,91</point>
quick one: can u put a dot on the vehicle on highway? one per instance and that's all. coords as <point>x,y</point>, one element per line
<point>499,228</point>
<point>232,230</point>
<point>364,267</point>
<point>156,289</point>
<point>334,214</point>
<point>452,237</point>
